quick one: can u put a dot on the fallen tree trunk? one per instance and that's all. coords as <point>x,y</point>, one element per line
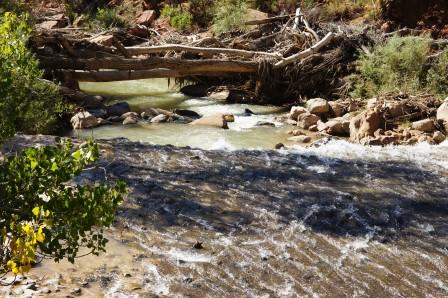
<point>134,51</point>
<point>185,66</point>
<point>126,75</point>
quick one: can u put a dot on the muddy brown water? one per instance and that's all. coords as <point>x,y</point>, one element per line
<point>335,220</point>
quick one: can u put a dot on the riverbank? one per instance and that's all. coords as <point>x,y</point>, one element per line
<point>335,219</point>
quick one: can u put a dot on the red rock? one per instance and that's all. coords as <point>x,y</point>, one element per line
<point>146,18</point>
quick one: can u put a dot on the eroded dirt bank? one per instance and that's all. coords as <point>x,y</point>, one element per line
<point>334,220</point>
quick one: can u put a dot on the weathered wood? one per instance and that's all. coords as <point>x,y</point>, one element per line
<point>308,52</point>
<point>125,75</point>
<point>134,51</point>
<point>269,20</point>
<point>181,65</point>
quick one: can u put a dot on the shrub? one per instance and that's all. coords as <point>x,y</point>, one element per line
<point>179,19</point>
<point>108,18</point>
<point>229,15</point>
<point>394,65</point>
<point>29,104</point>
<point>437,79</point>
<point>44,213</point>
<point>201,12</point>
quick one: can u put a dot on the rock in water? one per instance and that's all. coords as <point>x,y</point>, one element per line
<point>84,120</point>
<point>425,125</point>
<point>118,109</point>
<point>159,118</point>
<point>216,120</point>
<point>318,106</point>
<point>306,120</point>
<point>365,124</point>
<point>296,111</point>
<point>442,114</point>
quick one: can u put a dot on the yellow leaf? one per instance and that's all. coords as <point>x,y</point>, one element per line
<point>40,235</point>
<point>36,211</point>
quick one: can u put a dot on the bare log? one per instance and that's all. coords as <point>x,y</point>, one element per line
<point>182,65</point>
<point>268,20</point>
<point>308,52</point>
<point>125,75</point>
<point>134,51</point>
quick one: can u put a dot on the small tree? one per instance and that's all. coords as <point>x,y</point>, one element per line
<point>42,211</point>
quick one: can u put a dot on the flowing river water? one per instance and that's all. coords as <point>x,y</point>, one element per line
<point>331,220</point>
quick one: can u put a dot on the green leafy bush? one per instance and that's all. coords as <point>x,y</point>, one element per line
<point>201,12</point>
<point>179,19</point>
<point>394,65</point>
<point>28,103</point>
<point>437,79</point>
<point>44,213</point>
<point>229,15</point>
<point>108,18</point>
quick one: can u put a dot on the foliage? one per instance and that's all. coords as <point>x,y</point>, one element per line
<point>201,12</point>
<point>393,65</point>
<point>229,15</point>
<point>179,18</point>
<point>45,214</point>
<point>28,104</point>
<point>437,75</point>
<point>108,18</point>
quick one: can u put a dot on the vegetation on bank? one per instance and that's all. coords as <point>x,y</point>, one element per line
<point>43,212</point>
<point>401,64</point>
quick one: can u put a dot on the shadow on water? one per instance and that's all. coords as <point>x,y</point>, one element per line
<point>179,186</point>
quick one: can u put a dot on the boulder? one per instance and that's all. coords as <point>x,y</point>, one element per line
<point>130,120</point>
<point>296,111</point>
<point>221,95</point>
<point>130,115</point>
<point>159,118</point>
<point>99,113</point>
<point>425,125</point>
<point>215,120</point>
<point>84,120</point>
<point>438,137</point>
<point>365,124</point>
<point>104,40</point>
<point>187,113</point>
<point>118,109</point>
<point>336,109</point>
<point>318,106</point>
<point>397,109</point>
<point>313,128</point>
<point>146,18</point>
<point>338,127</point>
<point>442,114</point>
<point>321,126</point>
<point>373,102</point>
<point>306,120</point>
<point>300,139</point>
<point>197,90</point>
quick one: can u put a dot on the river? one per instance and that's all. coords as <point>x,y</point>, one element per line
<point>334,219</point>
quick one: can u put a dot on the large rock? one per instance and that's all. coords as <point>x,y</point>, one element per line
<point>338,127</point>
<point>159,118</point>
<point>425,125</point>
<point>442,114</point>
<point>306,120</point>
<point>197,90</point>
<point>187,113</point>
<point>296,111</point>
<point>146,18</point>
<point>118,109</point>
<point>215,120</point>
<point>365,124</point>
<point>336,109</point>
<point>438,137</point>
<point>318,106</point>
<point>398,108</point>
<point>84,120</point>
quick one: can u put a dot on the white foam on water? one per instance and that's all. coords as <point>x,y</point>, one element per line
<point>187,256</point>
<point>157,283</point>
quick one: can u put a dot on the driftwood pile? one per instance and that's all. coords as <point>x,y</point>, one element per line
<point>280,60</point>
